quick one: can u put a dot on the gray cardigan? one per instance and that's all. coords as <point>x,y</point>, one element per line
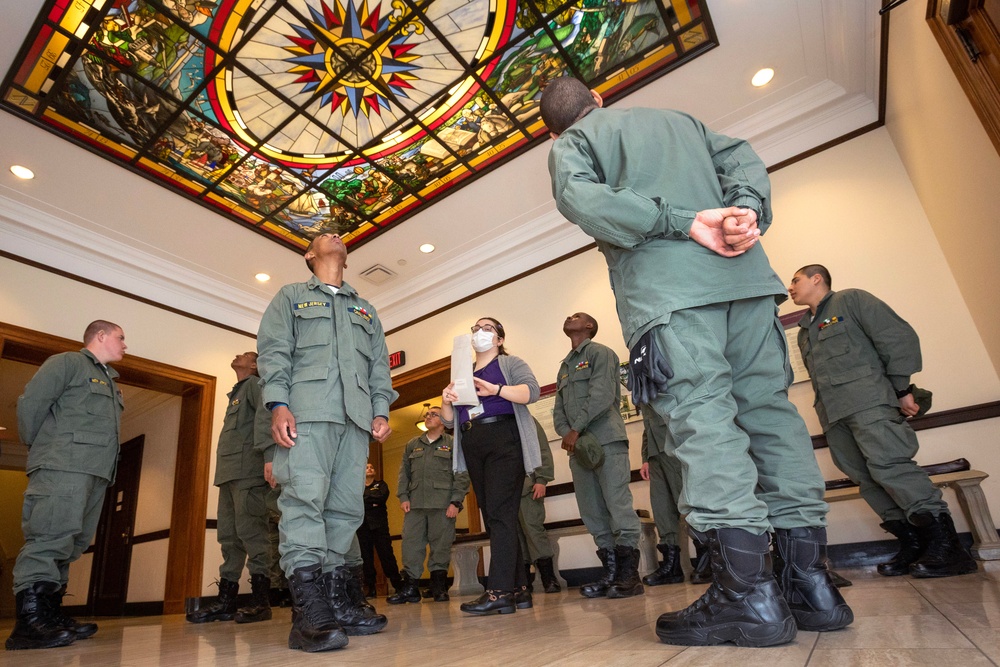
<point>515,372</point>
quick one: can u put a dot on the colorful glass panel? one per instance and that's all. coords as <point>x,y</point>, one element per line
<point>297,117</point>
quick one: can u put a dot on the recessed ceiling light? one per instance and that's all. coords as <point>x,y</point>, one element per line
<point>762,77</point>
<point>426,248</point>
<point>262,277</point>
<point>22,172</point>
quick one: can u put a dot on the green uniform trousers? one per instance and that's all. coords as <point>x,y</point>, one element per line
<point>875,448</point>
<point>322,482</point>
<point>423,528</point>
<point>531,520</point>
<point>242,529</point>
<point>278,579</point>
<point>605,499</point>
<point>664,496</point>
<point>59,519</point>
<point>746,454</point>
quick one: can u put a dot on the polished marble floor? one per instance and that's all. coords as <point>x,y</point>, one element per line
<point>898,622</point>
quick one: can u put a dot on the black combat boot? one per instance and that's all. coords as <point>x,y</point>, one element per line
<point>406,592</point>
<point>81,630</point>
<point>396,581</point>
<point>439,585</point>
<point>599,588</point>
<point>909,549</point>
<point>943,554</point>
<point>357,617</point>
<point>626,583</point>
<point>743,605</point>
<point>260,604</point>
<point>702,573</point>
<point>314,627</point>
<point>355,589</point>
<point>222,609</point>
<point>815,602</point>
<point>669,571</point>
<point>36,627</point>
<point>491,602</point>
<point>548,574</point>
<point>529,576</point>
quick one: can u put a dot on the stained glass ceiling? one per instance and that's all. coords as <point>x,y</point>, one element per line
<point>297,117</point>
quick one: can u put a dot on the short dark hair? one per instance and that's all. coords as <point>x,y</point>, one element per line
<point>590,318</point>
<point>811,270</point>
<point>565,100</point>
<point>96,327</point>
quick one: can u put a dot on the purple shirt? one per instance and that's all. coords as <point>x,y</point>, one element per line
<point>492,405</point>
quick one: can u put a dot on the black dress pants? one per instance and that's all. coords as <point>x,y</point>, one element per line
<point>496,468</point>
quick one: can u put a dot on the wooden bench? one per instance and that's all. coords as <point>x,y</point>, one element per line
<point>966,484</point>
<point>465,551</point>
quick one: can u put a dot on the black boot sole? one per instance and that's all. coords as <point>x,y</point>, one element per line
<point>920,573</point>
<point>362,630</point>
<point>594,593</point>
<point>299,643</point>
<point>824,621</point>
<point>210,619</point>
<point>253,618</point>
<point>617,592</point>
<point>651,580</point>
<point>23,644</point>
<point>746,635</point>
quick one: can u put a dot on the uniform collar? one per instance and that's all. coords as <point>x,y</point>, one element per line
<point>579,348</point>
<point>345,288</point>
<point>808,318</point>
<point>111,373</point>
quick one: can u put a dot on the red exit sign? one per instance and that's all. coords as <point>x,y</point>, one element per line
<point>397,359</point>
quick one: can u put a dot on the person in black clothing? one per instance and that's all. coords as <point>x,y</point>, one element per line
<point>373,535</point>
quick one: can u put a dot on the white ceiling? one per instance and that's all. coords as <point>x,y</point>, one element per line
<point>84,215</point>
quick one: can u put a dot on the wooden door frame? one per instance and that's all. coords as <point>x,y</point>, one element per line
<point>189,509</point>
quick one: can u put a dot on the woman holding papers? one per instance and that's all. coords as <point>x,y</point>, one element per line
<point>496,441</point>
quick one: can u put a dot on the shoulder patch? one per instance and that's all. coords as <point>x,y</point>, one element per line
<point>311,304</point>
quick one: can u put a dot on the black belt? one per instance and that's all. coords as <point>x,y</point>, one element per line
<point>486,420</point>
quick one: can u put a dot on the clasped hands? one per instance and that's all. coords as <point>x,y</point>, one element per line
<point>729,231</point>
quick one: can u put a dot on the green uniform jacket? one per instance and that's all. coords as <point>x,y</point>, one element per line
<point>588,393</point>
<point>426,478</point>
<point>70,416</point>
<point>544,473</point>
<point>240,454</point>
<point>634,179</point>
<point>307,338</point>
<point>858,352</point>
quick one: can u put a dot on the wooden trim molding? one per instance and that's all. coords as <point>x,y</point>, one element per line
<point>979,78</point>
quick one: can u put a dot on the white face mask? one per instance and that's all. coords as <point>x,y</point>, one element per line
<point>482,340</point>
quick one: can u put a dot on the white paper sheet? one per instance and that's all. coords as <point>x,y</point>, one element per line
<point>461,371</point>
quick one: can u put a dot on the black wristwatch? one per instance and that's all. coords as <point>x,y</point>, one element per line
<point>457,504</point>
<point>903,392</point>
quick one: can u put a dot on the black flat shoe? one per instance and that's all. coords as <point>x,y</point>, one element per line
<point>491,602</point>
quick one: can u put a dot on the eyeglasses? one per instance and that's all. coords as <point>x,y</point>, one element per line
<point>486,327</point>
<point>432,414</point>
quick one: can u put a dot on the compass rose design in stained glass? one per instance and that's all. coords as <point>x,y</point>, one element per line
<point>297,117</point>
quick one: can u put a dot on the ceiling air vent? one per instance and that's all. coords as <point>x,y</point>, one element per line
<point>377,274</point>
